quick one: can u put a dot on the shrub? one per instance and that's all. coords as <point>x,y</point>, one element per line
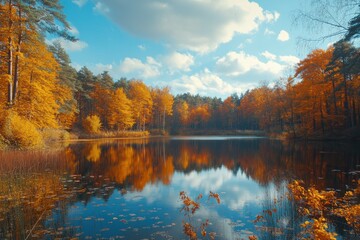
<point>21,132</point>
<point>53,135</point>
<point>92,124</point>
<point>2,142</point>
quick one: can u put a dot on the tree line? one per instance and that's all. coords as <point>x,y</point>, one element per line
<point>39,89</point>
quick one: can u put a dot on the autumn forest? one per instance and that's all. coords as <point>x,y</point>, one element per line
<point>85,153</point>
<point>41,90</point>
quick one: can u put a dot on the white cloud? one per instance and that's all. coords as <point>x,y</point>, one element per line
<point>271,17</point>
<point>269,55</point>
<point>80,3</point>
<point>101,8</point>
<point>178,61</point>
<point>268,32</point>
<point>69,45</point>
<point>99,67</point>
<point>135,66</point>
<point>142,47</point>
<point>197,25</point>
<point>236,64</point>
<point>76,66</point>
<point>330,44</point>
<point>73,30</point>
<point>283,36</point>
<point>205,83</point>
<point>290,60</point>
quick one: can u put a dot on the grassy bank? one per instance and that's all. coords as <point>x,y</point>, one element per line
<point>351,134</point>
<point>110,134</point>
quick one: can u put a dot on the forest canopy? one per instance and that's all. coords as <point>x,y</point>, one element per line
<point>41,89</point>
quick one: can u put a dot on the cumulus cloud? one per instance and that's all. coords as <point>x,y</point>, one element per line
<point>101,8</point>
<point>99,67</point>
<point>178,61</point>
<point>148,69</point>
<point>73,30</point>
<point>234,64</point>
<point>268,32</point>
<point>142,47</point>
<point>200,26</point>
<point>271,17</point>
<point>269,55</point>
<point>205,83</point>
<point>290,60</point>
<point>80,3</point>
<point>69,45</point>
<point>283,36</point>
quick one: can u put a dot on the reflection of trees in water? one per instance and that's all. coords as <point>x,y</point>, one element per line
<point>139,163</point>
<point>30,185</point>
<point>100,167</point>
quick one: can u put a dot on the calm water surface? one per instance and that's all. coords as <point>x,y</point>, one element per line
<point>129,189</point>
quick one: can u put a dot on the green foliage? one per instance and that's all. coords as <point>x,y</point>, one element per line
<point>21,132</point>
<point>92,124</point>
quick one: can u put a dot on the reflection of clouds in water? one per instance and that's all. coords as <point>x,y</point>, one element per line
<point>235,190</point>
<point>206,181</point>
<point>151,193</point>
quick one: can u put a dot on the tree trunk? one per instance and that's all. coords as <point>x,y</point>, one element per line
<point>10,58</point>
<point>346,103</point>
<point>17,60</point>
<point>322,118</point>
<point>334,95</point>
<point>164,121</point>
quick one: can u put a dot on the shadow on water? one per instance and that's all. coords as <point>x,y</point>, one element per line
<point>129,188</point>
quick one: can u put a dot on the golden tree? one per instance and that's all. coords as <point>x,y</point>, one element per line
<point>163,105</point>
<point>120,114</point>
<point>142,106</point>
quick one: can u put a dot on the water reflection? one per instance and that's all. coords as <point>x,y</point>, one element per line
<point>130,188</point>
<point>142,162</point>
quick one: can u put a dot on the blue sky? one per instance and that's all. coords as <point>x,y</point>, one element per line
<point>210,47</point>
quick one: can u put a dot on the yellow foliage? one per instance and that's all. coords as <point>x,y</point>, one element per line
<point>92,152</point>
<point>120,116</point>
<point>41,94</point>
<point>92,124</point>
<point>316,204</point>
<point>20,131</point>
<point>140,95</point>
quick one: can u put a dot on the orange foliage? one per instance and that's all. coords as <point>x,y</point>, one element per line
<point>92,124</point>
<point>140,95</point>
<point>200,115</point>
<point>120,115</point>
<point>189,208</point>
<point>317,204</point>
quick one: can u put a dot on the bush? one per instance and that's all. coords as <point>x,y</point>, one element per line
<point>2,142</point>
<point>92,124</point>
<point>53,135</point>
<point>21,132</point>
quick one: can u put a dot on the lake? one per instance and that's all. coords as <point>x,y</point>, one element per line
<point>129,189</point>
